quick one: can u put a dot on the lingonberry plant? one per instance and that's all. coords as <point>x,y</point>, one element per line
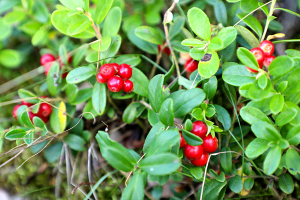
<point>177,106</point>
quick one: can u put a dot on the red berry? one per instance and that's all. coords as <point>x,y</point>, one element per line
<point>191,65</point>
<point>100,79</point>
<point>125,71</point>
<point>46,58</point>
<point>44,110</point>
<point>45,119</point>
<point>193,152</point>
<point>258,54</point>
<point>199,129</point>
<point>64,75</point>
<point>115,65</point>
<point>267,47</point>
<point>182,141</point>
<point>107,71</point>
<point>268,60</point>
<point>253,70</point>
<point>14,112</point>
<point>210,144</point>
<point>201,161</point>
<point>115,84</point>
<point>60,62</point>
<point>167,51</point>
<point>47,67</point>
<point>31,115</point>
<point>26,103</point>
<point>128,86</point>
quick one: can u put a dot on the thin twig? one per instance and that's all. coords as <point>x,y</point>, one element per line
<point>268,21</point>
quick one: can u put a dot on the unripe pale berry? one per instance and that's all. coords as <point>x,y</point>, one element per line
<point>193,152</point>
<point>267,47</point>
<point>191,65</point>
<point>182,141</point>
<point>210,144</point>
<point>258,54</point>
<point>107,71</point>
<point>201,161</point>
<point>125,71</point>
<point>199,129</point>
<point>100,79</point>
<point>128,86</point>
<point>268,60</point>
<point>115,84</point>
<point>46,58</point>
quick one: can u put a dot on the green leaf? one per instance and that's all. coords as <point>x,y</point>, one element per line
<point>249,5</point>
<point>286,183</point>
<point>112,22</point>
<point>293,83</point>
<point>293,135</point>
<point>52,79</point>
<point>105,43</point>
<point>228,35</point>
<point>135,188</point>
<point>61,21</point>
<point>80,74</point>
<point>276,104</point>
<point>102,9</point>
<point>197,113</point>
<point>287,10</point>
<point>223,117</point>
<point>215,44</point>
<point>286,116</point>
<point>14,16</point>
<point>40,124</point>
<point>113,49</point>
<point>196,172</point>
<point>191,138</point>
<point>248,184</point>
<point>155,92</point>
<point>238,75</point>
<point>163,142</point>
<point>263,81</point>
<point>78,27</point>
<point>281,65</point>
<point>5,29</point>
<point>226,160</point>
<point>132,60</point>
<point>156,129</point>
<point>75,142</point>
<point>72,4</point>
<point>26,120</point>
<point>149,34</point>
<point>99,98</point>
<point>130,112</point>
<point>235,184</point>
<point>140,82</point>
<point>142,44</point>
<point>152,117</point>
<point>257,147</point>
<point>193,42</point>
<point>166,113</point>
<point>199,23</point>
<point>71,91</point>
<point>247,58</point>
<point>89,111</point>
<point>208,68</point>
<point>53,152</point>
<point>255,91</point>
<point>220,12</point>
<point>251,115</point>
<point>186,100</point>
<point>272,160</point>
<point>252,22</point>
<point>15,134</point>
<point>175,28</point>
<point>114,153</point>
<point>293,161</point>
<point>210,87</point>
<point>248,36</point>
<point>265,131</point>
<point>39,37</point>
<point>197,54</point>
<point>27,94</point>
<point>212,189</point>
<point>58,118</point>
<point>10,58</point>
<point>82,96</point>
<point>160,164</point>
<point>40,12</point>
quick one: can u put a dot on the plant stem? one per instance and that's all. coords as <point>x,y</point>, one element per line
<point>268,20</point>
<point>159,56</point>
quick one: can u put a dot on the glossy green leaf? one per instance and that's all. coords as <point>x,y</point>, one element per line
<point>58,118</point>
<point>160,164</point>
<point>52,79</point>
<point>252,22</point>
<point>40,124</point>
<point>286,183</point>
<point>210,87</point>
<point>197,113</point>
<point>15,134</point>
<point>99,98</point>
<point>272,160</point>
<point>191,138</point>
<point>293,161</point>
<point>166,112</point>
<point>26,120</point>
<point>14,16</point>
<point>221,12</point>
<point>140,82</point>
<point>265,131</point>
<point>293,135</point>
<point>257,147</point>
<point>281,65</point>
<point>277,103</point>
<point>249,5</point>
<point>149,34</point>
<point>53,152</point>
<point>27,94</point>
<point>112,22</point>
<point>228,35</point>
<point>216,44</point>
<point>238,75</point>
<point>10,58</point>
<point>155,92</point>
<point>152,117</point>
<point>255,91</point>
<point>80,74</point>
<point>156,129</point>
<point>191,42</point>
<point>223,116</point>
<point>112,50</point>
<point>209,68</point>
<point>82,96</point>
<point>72,4</point>
<point>79,27</point>
<point>132,60</point>
<point>197,54</point>
<point>197,172</point>
<point>226,159</point>
<point>235,184</point>
<point>286,116</point>
<point>175,28</point>
<point>142,44</point>
<point>135,188</point>
<point>102,9</point>
<point>130,112</point>
<point>105,43</point>
<point>199,23</point>
<point>262,81</point>
<point>248,36</point>
<point>75,142</point>
<point>212,189</point>
<point>251,115</point>
<point>247,58</point>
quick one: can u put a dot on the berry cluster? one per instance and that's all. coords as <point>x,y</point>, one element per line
<point>47,59</point>
<point>263,54</point>
<point>44,110</point>
<point>116,76</point>
<point>199,155</point>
